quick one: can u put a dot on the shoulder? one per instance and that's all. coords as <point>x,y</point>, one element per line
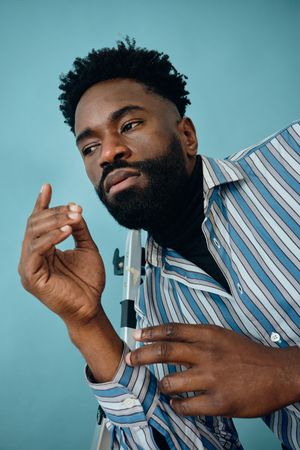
<point>281,144</point>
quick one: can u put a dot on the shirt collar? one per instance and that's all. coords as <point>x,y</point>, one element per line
<point>215,173</point>
<point>219,171</point>
<point>154,252</point>
<point>175,267</point>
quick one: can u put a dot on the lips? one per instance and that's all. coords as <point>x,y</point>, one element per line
<point>117,176</point>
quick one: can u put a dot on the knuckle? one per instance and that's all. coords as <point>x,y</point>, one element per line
<point>170,329</point>
<point>56,209</point>
<point>166,385</point>
<point>30,222</point>
<point>60,210</point>
<point>147,333</point>
<point>135,357</point>
<point>56,219</point>
<point>182,407</point>
<point>163,350</point>
<point>32,246</point>
<point>223,403</point>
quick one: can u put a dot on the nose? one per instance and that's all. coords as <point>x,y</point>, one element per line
<point>112,150</point>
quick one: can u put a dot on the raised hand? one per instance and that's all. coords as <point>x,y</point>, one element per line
<point>230,374</point>
<point>69,282</point>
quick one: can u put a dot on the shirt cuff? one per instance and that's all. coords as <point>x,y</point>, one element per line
<point>130,398</point>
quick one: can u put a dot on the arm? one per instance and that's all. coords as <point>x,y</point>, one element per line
<point>231,375</point>
<point>70,283</point>
<point>100,346</point>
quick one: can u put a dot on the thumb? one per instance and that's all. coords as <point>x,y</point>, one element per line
<point>82,236</point>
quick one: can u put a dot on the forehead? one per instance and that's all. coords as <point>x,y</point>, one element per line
<point>101,99</point>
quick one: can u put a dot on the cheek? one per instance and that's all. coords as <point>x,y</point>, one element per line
<point>150,146</point>
<point>93,173</point>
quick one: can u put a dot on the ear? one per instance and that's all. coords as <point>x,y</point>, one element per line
<point>188,136</point>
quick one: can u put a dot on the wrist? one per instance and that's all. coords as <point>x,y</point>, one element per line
<point>80,329</point>
<point>85,317</point>
<point>286,371</point>
<point>99,344</point>
<point>291,365</point>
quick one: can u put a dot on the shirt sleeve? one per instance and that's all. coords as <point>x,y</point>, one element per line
<point>133,406</point>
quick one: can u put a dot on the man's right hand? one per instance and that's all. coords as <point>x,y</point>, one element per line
<point>69,282</point>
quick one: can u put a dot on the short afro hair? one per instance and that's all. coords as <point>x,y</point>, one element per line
<point>149,67</point>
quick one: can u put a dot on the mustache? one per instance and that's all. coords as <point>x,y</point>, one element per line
<point>144,166</point>
<point>119,164</point>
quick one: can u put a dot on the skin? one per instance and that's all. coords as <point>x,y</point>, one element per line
<point>231,375</point>
<point>250,381</point>
<point>135,135</point>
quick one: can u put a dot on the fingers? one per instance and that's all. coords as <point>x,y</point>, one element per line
<point>51,219</point>
<point>34,254</point>
<point>81,235</point>
<point>176,332</point>
<point>43,199</point>
<point>44,220</point>
<point>44,231</point>
<point>47,227</point>
<point>44,243</point>
<point>200,405</point>
<point>54,218</point>
<point>191,380</point>
<point>162,352</point>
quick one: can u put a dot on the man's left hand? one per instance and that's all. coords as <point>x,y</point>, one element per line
<point>230,374</point>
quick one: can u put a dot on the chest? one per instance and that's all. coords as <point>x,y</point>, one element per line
<point>257,250</point>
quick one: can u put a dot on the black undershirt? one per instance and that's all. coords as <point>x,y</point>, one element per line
<point>185,234</point>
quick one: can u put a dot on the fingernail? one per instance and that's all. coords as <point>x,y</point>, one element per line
<point>73,215</point>
<point>73,207</point>
<point>127,358</point>
<point>42,188</point>
<point>137,334</point>
<point>65,228</point>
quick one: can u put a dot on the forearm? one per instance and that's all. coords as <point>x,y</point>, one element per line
<point>99,344</point>
<point>134,409</point>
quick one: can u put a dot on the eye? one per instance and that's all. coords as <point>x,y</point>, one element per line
<point>130,125</point>
<point>89,149</point>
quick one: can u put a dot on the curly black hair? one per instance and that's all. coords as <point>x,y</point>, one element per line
<point>149,67</point>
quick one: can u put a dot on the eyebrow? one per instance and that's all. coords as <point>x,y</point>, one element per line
<point>113,117</point>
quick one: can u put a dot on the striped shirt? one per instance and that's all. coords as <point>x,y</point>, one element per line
<point>251,225</point>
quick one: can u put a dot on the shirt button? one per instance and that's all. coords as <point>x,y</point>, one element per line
<point>129,402</point>
<point>275,337</point>
<point>239,288</point>
<point>216,242</point>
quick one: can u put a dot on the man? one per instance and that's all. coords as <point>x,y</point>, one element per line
<point>219,307</point>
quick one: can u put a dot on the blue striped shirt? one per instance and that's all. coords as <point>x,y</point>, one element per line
<point>251,225</point>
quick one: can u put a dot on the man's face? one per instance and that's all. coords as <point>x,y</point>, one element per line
<point>134,146</point>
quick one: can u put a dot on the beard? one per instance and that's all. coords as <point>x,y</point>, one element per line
<point>158,203</point>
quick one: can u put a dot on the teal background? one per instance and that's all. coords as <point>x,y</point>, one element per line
<point>242,59</point>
